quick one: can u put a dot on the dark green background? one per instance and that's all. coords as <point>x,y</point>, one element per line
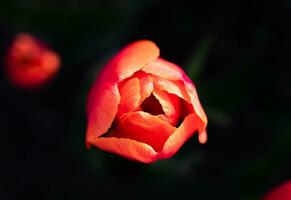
<point>238,55</point>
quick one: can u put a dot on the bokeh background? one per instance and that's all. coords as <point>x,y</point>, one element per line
<point>236,52</point>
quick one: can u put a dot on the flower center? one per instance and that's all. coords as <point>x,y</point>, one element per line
<point>152,105</point>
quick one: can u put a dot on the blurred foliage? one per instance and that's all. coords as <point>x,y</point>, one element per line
<point>236,52</point>
<point>197,60</point>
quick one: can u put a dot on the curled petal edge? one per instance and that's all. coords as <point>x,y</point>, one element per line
<point>127,148</point>
<point>130,59</point>
<point>190,125</point>
<point>142,152</point>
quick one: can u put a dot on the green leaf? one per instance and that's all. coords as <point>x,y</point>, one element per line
<point>196,61</point>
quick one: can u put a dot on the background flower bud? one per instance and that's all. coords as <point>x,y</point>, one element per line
<point>29,63</point>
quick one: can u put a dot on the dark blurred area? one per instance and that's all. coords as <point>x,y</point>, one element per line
<point>238,55</point>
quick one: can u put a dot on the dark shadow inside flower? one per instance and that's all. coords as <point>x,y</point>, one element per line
<point>152,105</point>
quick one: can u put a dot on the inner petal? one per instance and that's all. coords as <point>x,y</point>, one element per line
<point>144,127</point>
<point>173,87</point>
<point>170,104</point>
<point>146,86</point>
<point>130,96</point>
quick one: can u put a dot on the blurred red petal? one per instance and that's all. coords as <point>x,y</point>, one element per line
<point>283,192</point>
<point>29,63</point>
<point>50,62</point>
<point>202,137</point>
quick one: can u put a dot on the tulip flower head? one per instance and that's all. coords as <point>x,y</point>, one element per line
<point>143,107</point>
<point>29,63</point>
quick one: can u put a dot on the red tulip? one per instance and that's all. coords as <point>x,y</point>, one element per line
<point>29,63</point>
<point>143,107</point>
<point>283,192</point>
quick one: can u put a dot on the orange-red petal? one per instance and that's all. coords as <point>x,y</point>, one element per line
<point>170,104</point>
<point>202,137</point>
<point>131,59</point>
<point>283,192</point>
<point>127,148</point>
<point>102,111</point>
<point>191,90</point>
<point>170,71</point>
<point>136,150</point>
<point>50,62</point>
<point>190,124</point>
<point>146,87</point>
<point>173,87</point>
<point>146,128</point>
<point>130,96</point>
<point>164,69</point>
<point>104,97</point>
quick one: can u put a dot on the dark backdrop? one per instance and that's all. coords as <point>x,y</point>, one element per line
<point>238,55</point>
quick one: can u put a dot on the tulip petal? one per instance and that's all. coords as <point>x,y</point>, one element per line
<point>191,90</point>
<point>172,87</point>
<point>29,63</point>
<point>130,96</point>
<point>104,97</point>
<point>170,71</point>
<point>282,192</point>
<point>50,62</point>
<point>102,110</point>
<point>164,69</point>
<point>202,137</point>
<point>128,148</point>
<point>146,128</point>
<point>170,104</point>
<point>146,87</point>
<point>131,59</point>
<point>190,124</point>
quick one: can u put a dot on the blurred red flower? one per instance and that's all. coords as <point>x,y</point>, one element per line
<point>143,107</point>
<point>283,192</point>
<point>29,63</point>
